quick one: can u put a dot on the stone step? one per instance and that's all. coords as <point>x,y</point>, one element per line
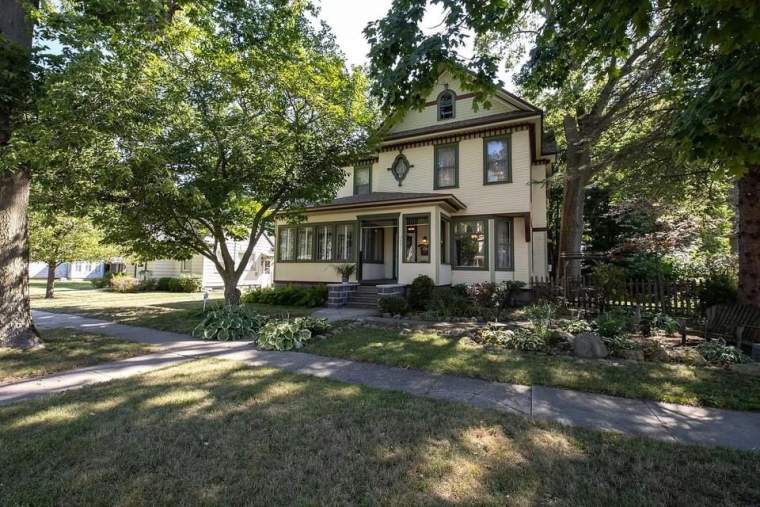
<point>356,304</point>
<point>368,289</point>
<point>373,297</point>
<point>363,300</point>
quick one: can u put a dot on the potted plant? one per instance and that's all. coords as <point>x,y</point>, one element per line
<point>345,271</point>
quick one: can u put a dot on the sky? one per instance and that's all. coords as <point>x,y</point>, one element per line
<point>347,18</point>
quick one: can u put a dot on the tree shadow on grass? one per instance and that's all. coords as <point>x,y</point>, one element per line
<point>218,432</point>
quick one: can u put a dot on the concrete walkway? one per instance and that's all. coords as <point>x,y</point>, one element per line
<point>663,421</point>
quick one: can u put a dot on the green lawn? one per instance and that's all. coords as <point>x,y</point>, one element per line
<point>218,432</point>
<point>167,311</point>
<point>65,349</point>
<point>673,383</point>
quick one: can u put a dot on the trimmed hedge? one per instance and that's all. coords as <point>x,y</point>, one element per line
<point>182,283</point>
<point>287,296</point>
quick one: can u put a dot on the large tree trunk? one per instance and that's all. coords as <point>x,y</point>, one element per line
<point>571,227</point>
<point>50,287</point>
<point>577,176</point>
<point>16,328</point>
<point>749,237</point>
<point>231,292</point>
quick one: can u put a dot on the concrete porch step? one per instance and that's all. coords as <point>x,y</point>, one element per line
<point>357,304</point>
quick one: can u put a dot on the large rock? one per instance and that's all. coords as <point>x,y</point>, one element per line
<point>589,346</point>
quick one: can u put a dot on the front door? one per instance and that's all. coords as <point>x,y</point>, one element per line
<point>378,250</point>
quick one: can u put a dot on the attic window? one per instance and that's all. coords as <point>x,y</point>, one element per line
<point>446,105</point>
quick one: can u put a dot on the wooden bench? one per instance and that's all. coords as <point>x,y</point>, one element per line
<point>734,323</point>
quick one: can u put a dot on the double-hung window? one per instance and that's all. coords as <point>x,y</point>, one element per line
<point>446,166</point>
<point>362,179</point>
<point>504,244</point>
<point>497,165</point>
<point>471,244</point>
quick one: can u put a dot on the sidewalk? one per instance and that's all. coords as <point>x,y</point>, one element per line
<point>663,421</point>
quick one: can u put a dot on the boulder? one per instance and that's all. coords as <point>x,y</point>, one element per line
<point>688,355</point>
<point>589,346</point>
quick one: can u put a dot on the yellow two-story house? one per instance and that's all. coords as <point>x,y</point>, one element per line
<point>454,192</point>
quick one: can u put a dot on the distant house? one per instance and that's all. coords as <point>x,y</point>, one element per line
<point>79,270</point>
<point>453,192</point>
<point>257,274</point>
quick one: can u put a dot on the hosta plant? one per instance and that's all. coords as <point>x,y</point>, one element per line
<point>717,352</point>
<point>283,335</point>
<point>229,323</point>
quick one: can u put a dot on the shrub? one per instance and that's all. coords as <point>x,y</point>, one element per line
<point>482,293</point>
<point>460,289</point>
<point>504,293</point>
<point>450,302</point>
<point>609,279</point>
<point>665,323</point>
<point>618,343</point>
<point>576,326</point>
<point>395,305</point>
<point>541,315</point>
<point>123,283</point>
<point>521,339</point>
<point>102,283</point>
<point>313,324</point>
<point>99,283</point>
<point>612,324</point>
<point>420,292</point>
<point>717,352</point>
<point>147,285</point>
<point>284,334</point>
<point>654,351</point>
<point>163,283</point>
<point>287,296</point>
<point>229,323</point>
<point>718,289</point>
<point>185,283</point>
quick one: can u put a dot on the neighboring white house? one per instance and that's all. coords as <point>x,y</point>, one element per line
<point>258,273</point>
<point>453,193</point>
<point>72,270</point>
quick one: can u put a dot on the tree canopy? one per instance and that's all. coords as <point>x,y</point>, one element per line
<point>193,125</point>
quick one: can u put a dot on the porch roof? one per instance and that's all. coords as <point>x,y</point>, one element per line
<point>374,199</point>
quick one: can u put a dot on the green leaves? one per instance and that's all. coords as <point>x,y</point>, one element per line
<point>196,122</point>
